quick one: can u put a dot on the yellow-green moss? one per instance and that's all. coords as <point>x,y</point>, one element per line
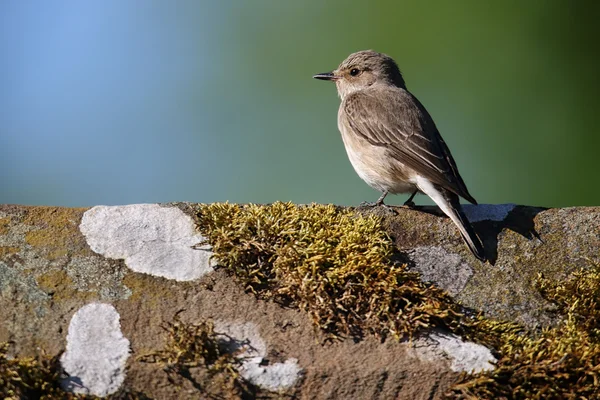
<point>330,262</point>
<point>193,352</point>
<point>559,363</point>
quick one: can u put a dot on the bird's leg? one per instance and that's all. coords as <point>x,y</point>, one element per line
<point>409,203</point>
<point>379,201</point>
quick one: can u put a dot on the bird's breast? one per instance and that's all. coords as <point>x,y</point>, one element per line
<point>374,164</point>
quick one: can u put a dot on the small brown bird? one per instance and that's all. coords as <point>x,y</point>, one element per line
<point>392,141</point>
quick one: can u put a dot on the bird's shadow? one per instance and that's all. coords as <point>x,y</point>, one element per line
<point>486,221</point>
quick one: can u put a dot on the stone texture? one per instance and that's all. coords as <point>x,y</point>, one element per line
<point>48,271</point>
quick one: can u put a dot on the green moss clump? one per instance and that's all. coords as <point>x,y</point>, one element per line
<point>328,261</point>
<point>194,352</point>
<point>559,363</point>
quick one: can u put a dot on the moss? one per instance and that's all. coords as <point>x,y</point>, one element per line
<point>558,363</point>
<point>337,266</point>
<point>330,262</point>
<point>194,352</point>
<point>39,378</point>
<point>29,378</point>
<point>578,297</point>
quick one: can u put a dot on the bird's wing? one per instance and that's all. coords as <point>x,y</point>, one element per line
<point>396,120</point>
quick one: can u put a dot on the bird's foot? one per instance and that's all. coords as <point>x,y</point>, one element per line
<point>381,204</point>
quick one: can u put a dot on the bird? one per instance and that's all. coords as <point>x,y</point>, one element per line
<point>393,143</point>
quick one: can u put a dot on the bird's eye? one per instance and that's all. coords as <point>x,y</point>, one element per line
<point>354,71</point>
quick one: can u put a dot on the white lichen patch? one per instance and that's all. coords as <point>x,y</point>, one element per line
<point>447,270</point>
<point>150,238</point>
<point>487,212</point>
<point>463,356</point>
<point>245,337</point>
<point>96,351</point>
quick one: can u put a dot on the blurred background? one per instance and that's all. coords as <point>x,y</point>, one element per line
<point>117,102</point>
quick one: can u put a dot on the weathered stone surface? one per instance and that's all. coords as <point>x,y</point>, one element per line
<point>527,241</point>
<point>48,273</point>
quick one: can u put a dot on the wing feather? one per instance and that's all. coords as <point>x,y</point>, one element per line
<point>393,118</point>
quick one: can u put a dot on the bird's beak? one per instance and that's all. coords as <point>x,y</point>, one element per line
<point>327,76</point>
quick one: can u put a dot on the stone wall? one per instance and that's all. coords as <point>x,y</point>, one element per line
<point>94,286</point>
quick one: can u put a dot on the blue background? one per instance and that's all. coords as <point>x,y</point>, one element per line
<point>119,102</point>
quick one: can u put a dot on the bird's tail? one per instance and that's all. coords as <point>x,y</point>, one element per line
<point>449,203</point>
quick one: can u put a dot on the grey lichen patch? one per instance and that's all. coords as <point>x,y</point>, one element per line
<point>21,288</point>
<point>447,270</point>
<point>98,275</point>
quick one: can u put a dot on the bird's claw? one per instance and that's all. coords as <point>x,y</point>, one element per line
<point>384,206</point>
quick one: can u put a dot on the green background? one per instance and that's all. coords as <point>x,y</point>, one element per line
<point>120,102</point>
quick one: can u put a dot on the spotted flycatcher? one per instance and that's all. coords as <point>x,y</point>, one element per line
<point>391,140</point>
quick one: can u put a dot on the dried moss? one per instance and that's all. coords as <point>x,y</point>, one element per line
<point>328,261</point>
<point>578,296</point>
<point>39,378</point>
<point>194,352</point>
<point>29,378</point>
<point>559,363</point>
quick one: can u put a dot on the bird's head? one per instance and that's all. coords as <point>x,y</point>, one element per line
<point>362,70</point>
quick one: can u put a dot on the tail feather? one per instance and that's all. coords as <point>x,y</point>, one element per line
<point>449,203</point>
<point>468,234</point>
